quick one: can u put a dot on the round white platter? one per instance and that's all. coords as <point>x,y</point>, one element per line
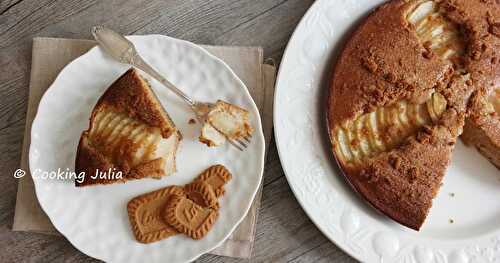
<point>464,222</point>
<point>94,219</point>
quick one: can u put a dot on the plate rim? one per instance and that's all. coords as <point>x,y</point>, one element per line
<point>258,130</point>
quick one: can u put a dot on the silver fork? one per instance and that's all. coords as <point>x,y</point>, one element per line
<point>121,49</point>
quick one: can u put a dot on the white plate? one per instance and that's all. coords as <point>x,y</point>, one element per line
<point>333,206</point>
<point>94,219</point>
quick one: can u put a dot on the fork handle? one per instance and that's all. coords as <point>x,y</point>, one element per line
<point>139,63</point>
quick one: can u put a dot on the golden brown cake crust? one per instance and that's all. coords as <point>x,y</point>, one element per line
<point>481,21</point>
<point>393,66</point>
<point>383,63</point>
<point>402,183</point>
<point>136,103</point>
<point>388,69</point>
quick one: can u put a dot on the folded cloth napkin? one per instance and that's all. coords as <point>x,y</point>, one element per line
<point>50,55</point>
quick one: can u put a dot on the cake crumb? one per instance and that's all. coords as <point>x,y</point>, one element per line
<point>191,121</point>
<point>370,64</point>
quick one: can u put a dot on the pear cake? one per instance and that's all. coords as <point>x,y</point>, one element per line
<point>407,81</point>
<point>130,133</point>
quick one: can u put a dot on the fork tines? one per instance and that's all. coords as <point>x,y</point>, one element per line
<point>239,144</point>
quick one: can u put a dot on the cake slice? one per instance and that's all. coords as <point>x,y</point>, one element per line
<point>130,135</point>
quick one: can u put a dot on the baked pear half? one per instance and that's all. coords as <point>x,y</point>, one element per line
<point>400,96</point>
<point>130,135</point>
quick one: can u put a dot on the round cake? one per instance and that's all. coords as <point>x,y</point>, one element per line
<point>407,81</point>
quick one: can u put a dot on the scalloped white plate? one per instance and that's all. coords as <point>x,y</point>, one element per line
<point>94,219</point>
<point>304,149</point>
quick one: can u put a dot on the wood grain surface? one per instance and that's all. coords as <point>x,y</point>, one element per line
<point>284,232</point>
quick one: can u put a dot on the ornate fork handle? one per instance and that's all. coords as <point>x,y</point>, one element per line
<point>138,62</point>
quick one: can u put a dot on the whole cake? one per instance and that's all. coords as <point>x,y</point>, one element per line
<point>408,80</point>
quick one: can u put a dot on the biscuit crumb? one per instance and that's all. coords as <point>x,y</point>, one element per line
<point>390,77</point>
<point>395,161</point>
<point>191,121</point>
<point>495,29</point>
<point>370,64</point>
<point>413,174</point>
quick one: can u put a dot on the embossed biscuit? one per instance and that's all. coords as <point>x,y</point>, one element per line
<point>145,214</point>
<point>188,217</point>
<point>216,176</point>
<point>202,194</point>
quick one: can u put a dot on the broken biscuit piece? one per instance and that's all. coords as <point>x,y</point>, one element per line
<point>189,218</point>
<point>145,214</point>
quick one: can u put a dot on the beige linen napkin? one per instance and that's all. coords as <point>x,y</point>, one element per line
<point>50,55</point>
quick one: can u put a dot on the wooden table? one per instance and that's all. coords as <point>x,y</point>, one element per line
<point>284,232</point>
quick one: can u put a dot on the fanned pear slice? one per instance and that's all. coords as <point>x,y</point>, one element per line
<point>400,94</point>
<point>385,128</point>
<point>130,135</point>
